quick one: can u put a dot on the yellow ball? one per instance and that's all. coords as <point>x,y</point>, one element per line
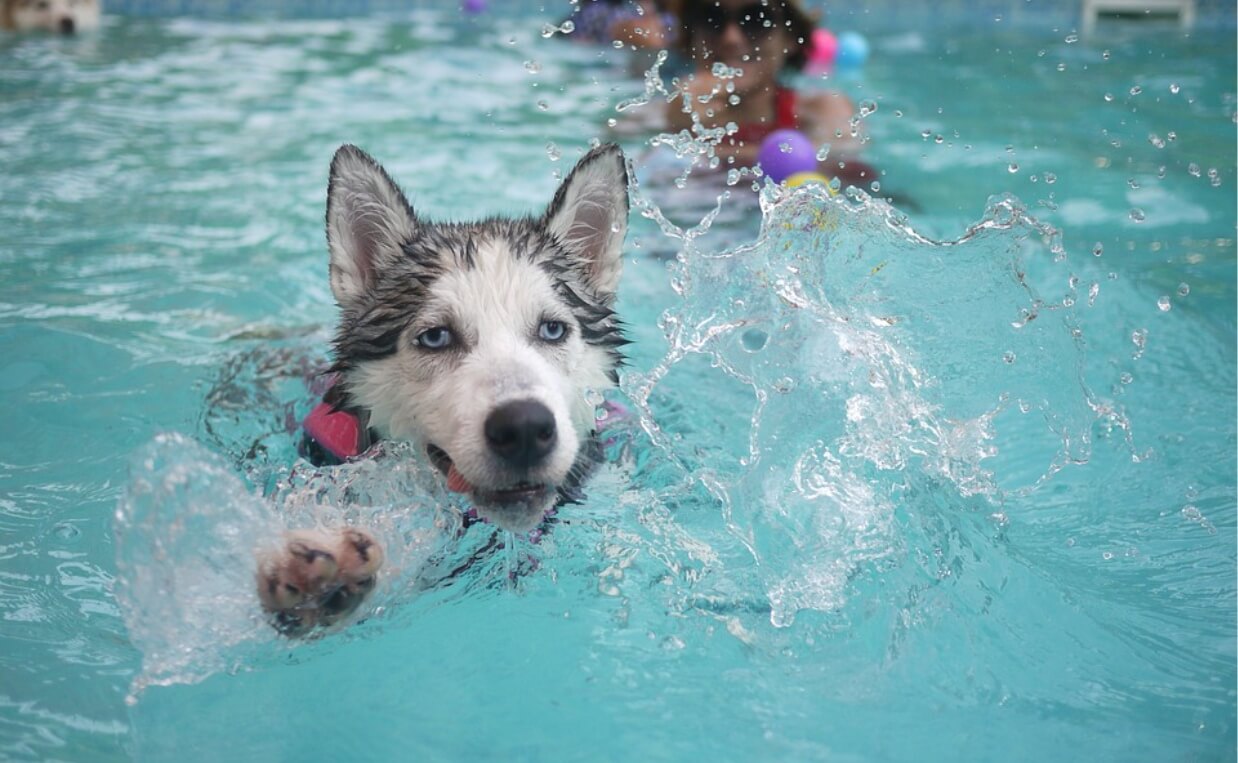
<point>804,178</point>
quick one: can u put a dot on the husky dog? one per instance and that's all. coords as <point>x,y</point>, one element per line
<point>481,343</point>
<point>64,16</point>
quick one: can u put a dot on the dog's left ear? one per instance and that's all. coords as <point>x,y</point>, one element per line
<point>589,215</point>
<point>368,221</point>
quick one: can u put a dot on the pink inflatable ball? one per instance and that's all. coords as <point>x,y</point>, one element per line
<point>785,153</point>
<point>823,49</point>
<point>473,7</point>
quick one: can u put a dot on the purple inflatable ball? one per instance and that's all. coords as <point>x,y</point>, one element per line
<point>786,152</point>
<point>473,6</point>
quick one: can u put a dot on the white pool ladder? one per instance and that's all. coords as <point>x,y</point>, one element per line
<point>1185,10</point>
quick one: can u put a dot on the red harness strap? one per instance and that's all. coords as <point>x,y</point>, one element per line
<point>336,432</point>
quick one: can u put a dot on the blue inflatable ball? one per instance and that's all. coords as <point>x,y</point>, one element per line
<point>786,152</point>
<point>852,50</point>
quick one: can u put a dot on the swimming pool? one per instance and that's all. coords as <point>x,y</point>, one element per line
<point>988,509</point>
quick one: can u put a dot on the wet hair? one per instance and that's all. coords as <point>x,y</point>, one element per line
<point>798,25</point>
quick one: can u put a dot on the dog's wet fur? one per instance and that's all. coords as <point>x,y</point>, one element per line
<point>485,344</point>
<point>59,16</point>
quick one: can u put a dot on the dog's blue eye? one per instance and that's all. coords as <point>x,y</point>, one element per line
<point>436,338</point>
<point>552,331</point>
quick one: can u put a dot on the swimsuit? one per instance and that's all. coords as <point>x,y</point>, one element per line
<point>851,172</point>
<point>784,119</point>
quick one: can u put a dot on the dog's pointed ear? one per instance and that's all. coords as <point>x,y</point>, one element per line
<point>589,215</point>
<point>368,220</point>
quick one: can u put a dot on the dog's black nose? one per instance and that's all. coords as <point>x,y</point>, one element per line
<point>522,432</point>
<point>66,25</point>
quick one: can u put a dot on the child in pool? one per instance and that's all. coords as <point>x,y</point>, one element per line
<point>767,41</point>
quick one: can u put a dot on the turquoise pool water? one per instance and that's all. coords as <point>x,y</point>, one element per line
<point>952,482</point>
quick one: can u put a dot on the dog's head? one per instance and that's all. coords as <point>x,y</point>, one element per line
<point>485,343</point>
<point>64,16</point>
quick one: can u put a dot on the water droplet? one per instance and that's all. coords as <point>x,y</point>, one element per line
<point>1183,290</point>
<point>1093,290</point>
<point>1072,38</point>
<point>1008,357</point>
<point>939,139</point>
<point>1012,168</point>
<point>1050,178</point>
<point>1098,249</point>
<point>784,384</point>
<point>1137,215</point>
<point>1163,304</point>
<point>617,44</point>
<point>1136,90</point>
<point>867,107</point>
<point>1194,170</point>
<point>926,134</point>
<point>1061,67</point>
<point>553,152</point>
<point>1156,140</point>
<point>1108,97</point>
<point>543,106</point>
<point>1132,183</point>
<point>875,186</point>
<point>532,67</point>
<point>898,113</point>
<point>1174,88</point>
<point>1107,555</point>
<point>567,27</point>
<point>1105,55</point>
<point>784,147</point>
<point>612,122</point>
<point>66,531</point>
<point>754,340</point>
<point>823,153</point>
<point>1139,338</point>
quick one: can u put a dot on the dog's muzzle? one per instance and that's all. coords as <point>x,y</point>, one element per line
<point>521,433</point>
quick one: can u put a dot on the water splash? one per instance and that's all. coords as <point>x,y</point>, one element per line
<point>188,531</point>
<point>851,364</point>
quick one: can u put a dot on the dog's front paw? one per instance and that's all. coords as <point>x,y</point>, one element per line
<point>317,578</point>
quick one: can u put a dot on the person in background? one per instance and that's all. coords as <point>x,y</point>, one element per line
<point>767,40</point>
<point>641,24</point>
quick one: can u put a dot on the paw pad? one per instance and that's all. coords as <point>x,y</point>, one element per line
<point>317,578</point>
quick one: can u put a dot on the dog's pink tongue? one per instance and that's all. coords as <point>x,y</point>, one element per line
<point>456,482</point>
